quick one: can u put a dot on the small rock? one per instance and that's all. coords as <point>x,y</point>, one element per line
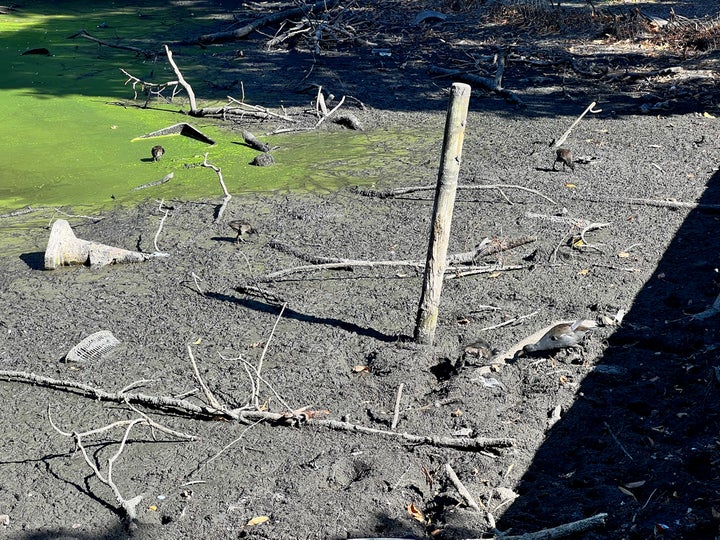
<point>263,160</point>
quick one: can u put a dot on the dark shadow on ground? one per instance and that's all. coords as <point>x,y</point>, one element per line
<point>641,442</point>
<point>290,313</point>
<point>542,72</point>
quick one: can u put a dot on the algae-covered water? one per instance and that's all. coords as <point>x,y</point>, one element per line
<point>70,124</point>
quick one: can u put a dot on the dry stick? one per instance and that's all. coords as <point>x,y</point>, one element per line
<point>565,135</point>
<point>396,414</point>
<point>259,110</point>
<point>511,321</point>
<point>163,180</point>
<point>183,82</point>
<point>149,85</point>
<point>27,210</point>
<point>229,445</point>
<point>208,394</point>
<point>428,308</point>
<point>668,203</point>
<point>488,247</point>
<point>192,410</point>
<point>617,441</point>
<point>328,115</point>
<point>162,222</point>
<point>227,197</point>
<point>84,34</point>
<point>256,397</point>
<point>484,83</point>
<point>404,191</point>
<point>220,37</point>
<point>561,531</point>
<point>462,490</point>
<point>453,271</point>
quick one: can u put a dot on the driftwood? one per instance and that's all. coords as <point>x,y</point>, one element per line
<point>163,180</point>
<point>208,412</point>
<point>660,203</point>
<point>485,83</point>
<point>231,35</point>
<point>144,52</point>
<point>255,143</point>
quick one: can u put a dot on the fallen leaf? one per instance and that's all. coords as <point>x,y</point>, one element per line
<point>584,272</point>
<point>570,185</point>
<point>361,369</point>
<point>627,492</point>
<point>623,254</point>
<point>257,520</point>
<point>578,243</point>
<point>152,508</point>
<point>633,485</point>
<point>456,413</point>
<point>415,513</point>
<point>495,274</point>
<point>198,341</point>
<point>708,115</point>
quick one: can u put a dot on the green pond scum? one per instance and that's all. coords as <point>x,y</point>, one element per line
<point>69,127</point>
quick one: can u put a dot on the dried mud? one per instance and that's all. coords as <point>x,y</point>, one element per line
<point>627,426</point>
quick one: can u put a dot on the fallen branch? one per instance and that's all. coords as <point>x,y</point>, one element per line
<point>485,83</point>
<point>155,89</point>
<point>462,490</point>
<point>489,247</point>
<point>561,531</point>
<point>84,34</point>
<point>666,203</point>
<point>163,180</point>
<point>389,194</point>
<point>16,213</point>
<point>220,37</point>
<point>303,417</point>
<point>344,264</point>
<point>227,197</point>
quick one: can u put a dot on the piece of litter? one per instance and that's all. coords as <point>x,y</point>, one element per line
<point>92,347</point>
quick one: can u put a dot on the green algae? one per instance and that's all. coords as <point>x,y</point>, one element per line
<point>69,141</point>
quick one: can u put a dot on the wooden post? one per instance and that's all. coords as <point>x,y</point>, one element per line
<point>442,213</point>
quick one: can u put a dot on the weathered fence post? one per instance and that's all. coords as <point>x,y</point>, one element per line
<point>442,213</point>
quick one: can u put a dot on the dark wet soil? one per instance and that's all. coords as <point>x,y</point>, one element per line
<point>626,426</point>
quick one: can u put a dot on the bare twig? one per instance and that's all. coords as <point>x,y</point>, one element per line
<point>565,135</point>
<point>511,321</point>
<point>396,414</point>
<point>160,226</point>
<point>84,34</point>
<point>404,191</point>
<point>462,490</point>
<point>208,394</point>
<point>227,197</point>
<point>256,397</point>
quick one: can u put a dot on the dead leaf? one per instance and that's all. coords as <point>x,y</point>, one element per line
<point>361,369</point>
<point>495,274</point>
<point>257,520</point>
<point>198,341</point>
<point>633,485</point>
<point>456,413</point>
<point>623,254</point>
<point>570,185</point>
<point>708,115</point>
<point>152,508</point>
<point>584,272</point>
<point>415,513</point>
<point>627,492</point>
